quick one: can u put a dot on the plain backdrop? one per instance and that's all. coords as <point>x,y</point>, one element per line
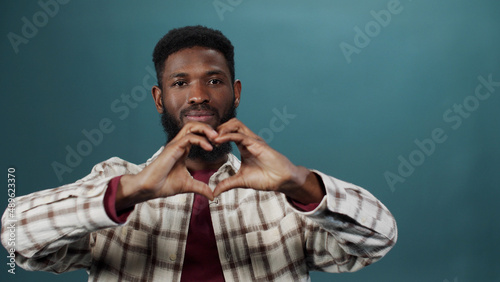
<point>380,93</point>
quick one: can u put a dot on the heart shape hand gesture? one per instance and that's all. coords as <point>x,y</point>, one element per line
<point>262,168</point>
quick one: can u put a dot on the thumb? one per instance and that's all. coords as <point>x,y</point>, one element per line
<point>235,181</point>
<point>201,188</point>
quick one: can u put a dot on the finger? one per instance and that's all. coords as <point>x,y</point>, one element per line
<point>199,187</point>
<point>197,128</point>
<point>193,139</point>
<point>235,181</point>
<point>235,126</point>
<point>180,148</point>
<point>239,138</point>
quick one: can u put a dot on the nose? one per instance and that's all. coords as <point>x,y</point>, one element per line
<point>198,94</point>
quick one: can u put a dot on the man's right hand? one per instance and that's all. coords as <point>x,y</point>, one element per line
<point>168,175</point>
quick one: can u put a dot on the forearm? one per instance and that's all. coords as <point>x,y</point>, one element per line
<point>48,219</point>
<point>359,222</point>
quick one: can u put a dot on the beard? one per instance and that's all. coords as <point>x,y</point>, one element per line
<point>172,126</point>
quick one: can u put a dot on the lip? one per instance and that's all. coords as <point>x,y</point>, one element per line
<point>201,116</point>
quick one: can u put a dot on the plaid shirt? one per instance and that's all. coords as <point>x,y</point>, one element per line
<point>260,236</point>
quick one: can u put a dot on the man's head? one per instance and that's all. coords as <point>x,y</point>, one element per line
<point>195,69</point>
<point>191,36</point>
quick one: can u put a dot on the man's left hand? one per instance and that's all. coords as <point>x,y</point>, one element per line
<point>263,168</point>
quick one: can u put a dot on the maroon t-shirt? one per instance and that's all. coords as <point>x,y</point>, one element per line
<point>201,261</point>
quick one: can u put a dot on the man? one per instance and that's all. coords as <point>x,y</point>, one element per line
<point>193,212</point>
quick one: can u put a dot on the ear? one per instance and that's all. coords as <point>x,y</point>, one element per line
<point>156,91</point>
<point>237,92</point>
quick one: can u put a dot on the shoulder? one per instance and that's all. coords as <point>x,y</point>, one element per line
<point>114,166</point>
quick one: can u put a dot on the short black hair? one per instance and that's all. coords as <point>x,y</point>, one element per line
<point>191,36</point>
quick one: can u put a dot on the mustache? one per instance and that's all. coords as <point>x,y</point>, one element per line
<point>199,107</point>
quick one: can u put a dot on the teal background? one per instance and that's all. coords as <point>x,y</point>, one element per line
<point>352,120</point>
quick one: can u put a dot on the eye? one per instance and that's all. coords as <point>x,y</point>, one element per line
<point>179,83</point>
<point>215,81</point>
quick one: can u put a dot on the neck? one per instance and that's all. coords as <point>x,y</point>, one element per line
<point>198,164</point>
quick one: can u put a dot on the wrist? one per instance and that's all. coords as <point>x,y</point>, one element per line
<point>129,192</point>
<point>308,187</point>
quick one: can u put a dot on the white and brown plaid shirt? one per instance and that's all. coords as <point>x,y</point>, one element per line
<point>260,236</point>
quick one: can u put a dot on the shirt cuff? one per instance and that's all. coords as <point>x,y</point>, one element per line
<point>312,206</point>
<point>109,202</point>
<point>303,207</point>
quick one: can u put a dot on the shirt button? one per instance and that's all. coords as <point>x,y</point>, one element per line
<point>228,255</point>
<point>173,257</point>
<point>215,201</point>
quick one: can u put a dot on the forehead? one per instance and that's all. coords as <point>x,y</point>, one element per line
<point>195,59</point>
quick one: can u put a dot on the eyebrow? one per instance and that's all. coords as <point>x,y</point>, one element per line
<point>178,74</point>
<point>208,73</point>
<point>215,72</point>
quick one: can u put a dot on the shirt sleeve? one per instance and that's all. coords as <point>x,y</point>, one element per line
<point>109,202</point>
<point>356,228</point>
<point>54,226</point>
